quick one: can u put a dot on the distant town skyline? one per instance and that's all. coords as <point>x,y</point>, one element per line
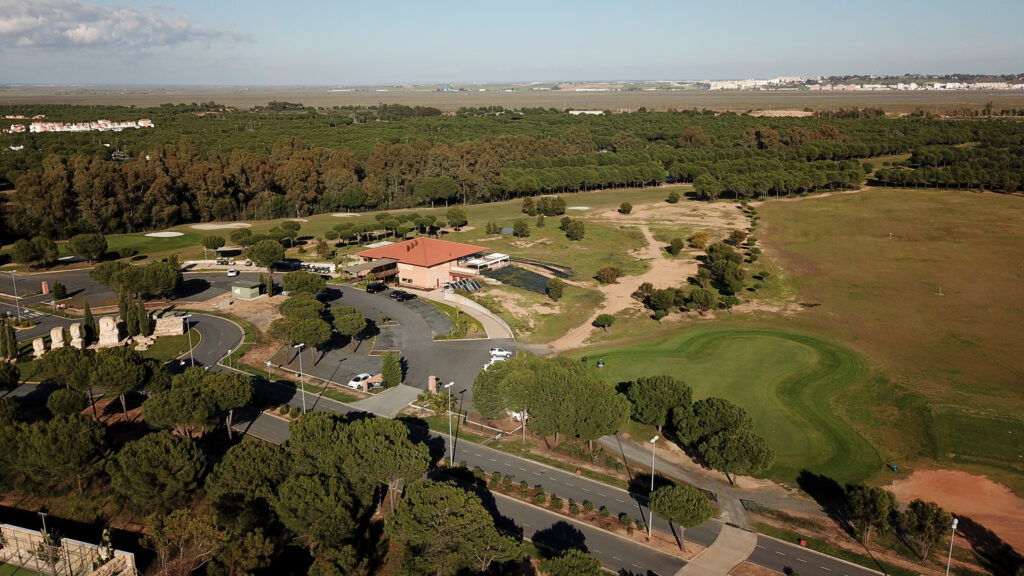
<point>342,44</point>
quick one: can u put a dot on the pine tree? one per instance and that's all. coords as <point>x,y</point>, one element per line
<point>89,324</point>
<point>5,351</point>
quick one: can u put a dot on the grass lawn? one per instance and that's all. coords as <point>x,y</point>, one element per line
<point>936,308</point>
<point>786,381</point>
<point>464,325</point>
<point>9,570</point>
<point>170,347</point>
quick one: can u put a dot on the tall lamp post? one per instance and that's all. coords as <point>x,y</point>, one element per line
<point>302,382</point>
<point>451,440</point>
<point>229,358</point>
<point>951,537</point>
<point>17,302</point>
<point>650,519</point>
<point>188,330</point>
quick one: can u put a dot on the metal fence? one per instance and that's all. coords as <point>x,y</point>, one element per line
<point>27,549</point>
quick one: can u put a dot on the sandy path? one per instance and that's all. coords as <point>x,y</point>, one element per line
<point>987,503</point>
<point>617,297</point>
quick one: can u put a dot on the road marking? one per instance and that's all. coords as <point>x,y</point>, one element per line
<point>826,569</point>
<point>586,489</point>
<point>761,547</point>
<point>522,469</point>
<point>779,553</point>
<point>568,484</point>
<point>596,550</point>
<point>601,494</point>
<point>536,473</point>
<point>492,460</point>
<point>617,558</point>
<point>801,560</point>
<point>617,500</point>
<point>638,566</point>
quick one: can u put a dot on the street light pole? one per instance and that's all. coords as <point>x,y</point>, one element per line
<point>17,302</point>
<point>451,440</point>
<point>302,382</point>
<point>951,537</point>
<point>46,542</point>
<point>229,358</point>
<point>188,330</point>
<point>650,520</point>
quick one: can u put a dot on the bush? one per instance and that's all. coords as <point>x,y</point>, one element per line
<point>540,221</point>
<point>495,480</point>
<point>282,409</point>
<point>673,197</point>
<point>605,512</point>
<point>506,481</point>
<point>699,240</point>
<point>574,508</point>
<point>294,413</point>
<point>555,288</point>
<point>625,208</point>
<point>556,503</point>
<point>59,291</point>
<point>521,229</point>
<point>539,496</point>
<point>676,246</point>
<point>588,505</point>
<point>625,520</point>
<point>524,487</point>
<point>659,314</point>
<point>603,321</point>
<point>492,228</point>
<point>575,230</point>
<point>126,252</point>
<point>608,275</point>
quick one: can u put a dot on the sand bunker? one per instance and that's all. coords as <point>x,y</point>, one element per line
<point>222,226</point>
<point>165,234</point>
<point>344,214</point>
<point>980,499</point>
<point>579,207</point>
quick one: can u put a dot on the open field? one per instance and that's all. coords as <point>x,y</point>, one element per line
<point>247,96</point>
<point>786,382</point>
<point>936,308</point>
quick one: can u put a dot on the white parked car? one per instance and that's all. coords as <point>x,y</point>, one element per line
<point>232,272</point>
<point>357,380</point>
<point>499,352</point>
<point>494,360</point>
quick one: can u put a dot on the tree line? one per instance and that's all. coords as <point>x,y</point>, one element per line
<point>210,167</point>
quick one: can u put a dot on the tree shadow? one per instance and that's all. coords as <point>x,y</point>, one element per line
<point>558,538</point>
<point>419,433</point>
<point>829,494</point>
<point>995,555</point>
<point>192,286</point>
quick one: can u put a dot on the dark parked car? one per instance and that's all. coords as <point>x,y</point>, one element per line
<point>404,296</point>
<point>376,287</point>
<point>396,293</point>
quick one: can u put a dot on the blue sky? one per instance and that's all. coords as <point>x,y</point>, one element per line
<point>259,42</point>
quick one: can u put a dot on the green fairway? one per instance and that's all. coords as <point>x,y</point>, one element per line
<point>786,381</point>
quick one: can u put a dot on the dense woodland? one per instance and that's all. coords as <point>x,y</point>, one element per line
<point>207,162</point>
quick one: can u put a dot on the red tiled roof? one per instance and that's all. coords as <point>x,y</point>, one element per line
<point>424,252</point>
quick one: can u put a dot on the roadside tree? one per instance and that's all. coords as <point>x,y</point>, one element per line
<point>925,523</point>
<point>654,398</point>
<point>869,507</point>
<point>92,247</point>
<point>300,281</point>
<point>212,242</point>
<point>572,562</point>
<point>735,452</point>
<point>157,470</point>
<point>682,505</point>
<point>391,370</point>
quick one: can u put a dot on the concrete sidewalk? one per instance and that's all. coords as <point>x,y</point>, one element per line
<point>729,550</point>
<point>494,326</point>
<point>389,402</point>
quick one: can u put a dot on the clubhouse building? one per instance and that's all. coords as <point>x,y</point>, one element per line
<point>426,263</point>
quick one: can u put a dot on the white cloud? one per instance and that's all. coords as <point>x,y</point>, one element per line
<point>61,24</point>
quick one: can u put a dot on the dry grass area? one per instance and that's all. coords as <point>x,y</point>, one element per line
<point>927,285</point>
<point>735,100</point>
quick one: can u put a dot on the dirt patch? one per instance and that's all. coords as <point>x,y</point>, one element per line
<point>748,569</point>
<point>259,312</point>
<point>618,296</point>
<point>222,226</point>
<point>985,502</point>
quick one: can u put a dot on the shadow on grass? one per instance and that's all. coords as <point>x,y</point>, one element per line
<point>993,553</point>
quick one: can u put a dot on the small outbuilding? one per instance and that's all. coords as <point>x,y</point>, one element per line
<point>246,289</point>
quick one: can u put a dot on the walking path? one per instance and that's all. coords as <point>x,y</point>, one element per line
<point>729,550</point>
<point>494,327</point>
<point>619,296</point>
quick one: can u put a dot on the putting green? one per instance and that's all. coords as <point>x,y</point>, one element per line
<point>786,381</point>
